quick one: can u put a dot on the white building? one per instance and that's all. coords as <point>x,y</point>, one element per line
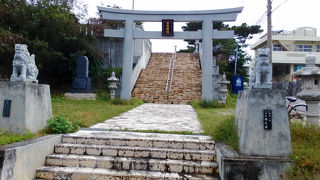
<point>290,49</point>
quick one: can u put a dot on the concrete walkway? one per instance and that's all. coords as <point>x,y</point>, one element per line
<point>165,117</point>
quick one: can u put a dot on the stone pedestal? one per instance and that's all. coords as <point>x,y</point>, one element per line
<point>29,107</point>
<point>81,96</point>
<point>255,139</point>
<point>235,167</point>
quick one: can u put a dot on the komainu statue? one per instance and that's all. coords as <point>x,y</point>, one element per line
<point>24,67</point>
<point>260,76</point>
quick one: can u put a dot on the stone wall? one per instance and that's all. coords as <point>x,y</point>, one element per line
<point>19,161</point>
<point>290,88</point>
<point>111,49</point>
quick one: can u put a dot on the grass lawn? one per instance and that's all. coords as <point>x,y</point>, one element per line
<point>217,120</point>
<point>85,113</point>
<point>8,138</point>
<point>88,112</point>
<point>305,151</point>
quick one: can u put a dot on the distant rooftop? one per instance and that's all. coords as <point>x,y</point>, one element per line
<point>300,34</point>
<point>301,31</point>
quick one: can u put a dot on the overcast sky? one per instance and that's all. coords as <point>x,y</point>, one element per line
<point>287,14</point>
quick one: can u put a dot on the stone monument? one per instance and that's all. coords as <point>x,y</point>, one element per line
<point>263,129</point>
<point>25,104</point>
<point>81,85</point>
<point>24,67</point>
<point>310,77</point>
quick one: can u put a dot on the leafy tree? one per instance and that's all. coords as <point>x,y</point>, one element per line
<point>52,32</point>
<point>228,47</point>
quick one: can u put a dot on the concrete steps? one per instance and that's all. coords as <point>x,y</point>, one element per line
<point>79,173</point>
<point>134,139</point>
<point>92,154</point>
<point>137,152</point>
<point>137,164</point>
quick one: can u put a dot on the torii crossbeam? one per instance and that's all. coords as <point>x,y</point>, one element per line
<point>207,34</point>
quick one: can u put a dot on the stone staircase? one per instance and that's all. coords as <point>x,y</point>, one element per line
<point>98,154</point>
<point>186,82</point>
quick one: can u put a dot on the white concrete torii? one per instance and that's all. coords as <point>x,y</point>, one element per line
<point>207,17</point>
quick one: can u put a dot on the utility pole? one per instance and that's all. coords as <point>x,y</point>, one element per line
<point>269,37</point>
<point>132,4</point>
<point>236,59</point>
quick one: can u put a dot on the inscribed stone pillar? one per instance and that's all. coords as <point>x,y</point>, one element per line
<point>262,123</point>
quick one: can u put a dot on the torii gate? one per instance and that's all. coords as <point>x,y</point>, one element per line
<point>206,35</point>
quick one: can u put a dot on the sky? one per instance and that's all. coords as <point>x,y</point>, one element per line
<point>287,14</point>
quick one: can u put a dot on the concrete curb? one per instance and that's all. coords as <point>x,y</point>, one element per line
<point>19,161</point>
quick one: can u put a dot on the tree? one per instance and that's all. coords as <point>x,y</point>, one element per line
<point>52,32</point>
<point>228,47</point>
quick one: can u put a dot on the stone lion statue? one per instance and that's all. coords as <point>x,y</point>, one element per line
<point>260,76</point>
<point>24,67</point>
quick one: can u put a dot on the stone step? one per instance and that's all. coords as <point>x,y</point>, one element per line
<point>149,140</point>
<point>186,73</point>
<point>79,173</point>
<point>121,163</point>
<point>136,152</point>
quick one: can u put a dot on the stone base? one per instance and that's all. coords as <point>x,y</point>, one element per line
<point>81,96</point>
<point>234,167</point>
<point>20,79</point>
<point>312,115</point>
<point>30,106</point>
<point>254,139</point>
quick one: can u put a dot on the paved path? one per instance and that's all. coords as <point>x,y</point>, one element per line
<point>165,117</point>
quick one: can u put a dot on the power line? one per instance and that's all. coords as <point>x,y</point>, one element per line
<point>261,18</point>
<point>279,5</point>
<point>264,15</point>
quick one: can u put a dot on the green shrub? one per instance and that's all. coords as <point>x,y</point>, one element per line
<point>61,124</point>
<point>103,95</point>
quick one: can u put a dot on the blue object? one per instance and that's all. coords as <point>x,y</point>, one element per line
<point>237,84</point>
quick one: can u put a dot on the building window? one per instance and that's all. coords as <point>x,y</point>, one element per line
<point>277,47</point>
<point>297,67</point>
<point>280,70</point>
<point>304,47</point>
<point>318,48</point>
